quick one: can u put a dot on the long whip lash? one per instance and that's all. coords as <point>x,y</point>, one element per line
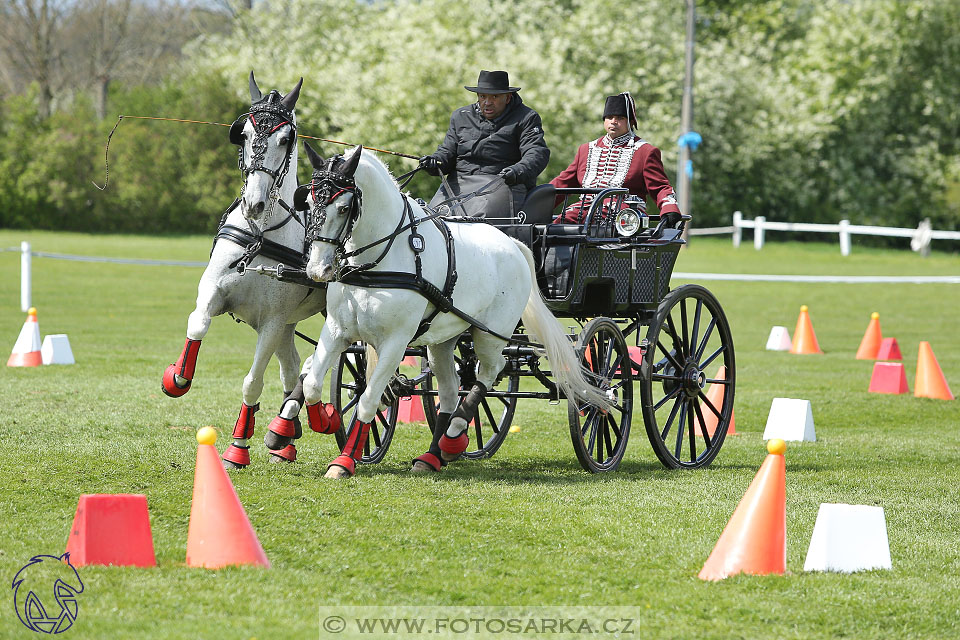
<point>106,151</point>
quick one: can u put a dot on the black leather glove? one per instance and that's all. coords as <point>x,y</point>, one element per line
<point>430,164</point>
<point>509,176</point>
<point>671,220</point>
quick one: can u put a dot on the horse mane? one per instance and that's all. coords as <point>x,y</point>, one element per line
<point>375,181</point>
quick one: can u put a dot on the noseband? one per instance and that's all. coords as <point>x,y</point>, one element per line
<point>326,185</point>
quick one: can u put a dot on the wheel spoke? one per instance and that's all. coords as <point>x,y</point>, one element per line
<point>709,404</point>
<point>667,398</point>
<point>706,338</point>
<point>478,430</point>
<point>684,336</point>
<point>493,421</point>
<point>680,425</point>
<point>354,370</point>
<point>614,427</point>
<point>672,330</point>
<point>375,434</point>
<point>609,353</point>
<point>693,434</point>
<point>660,376</point>
<point>606,439</point>
<point>703,426</point>
<point>353,401</point>
<point>670,356</point>
<point>713,356</point>
<point>594,426</point>
<point>673,414</point>
<point>696,324</point>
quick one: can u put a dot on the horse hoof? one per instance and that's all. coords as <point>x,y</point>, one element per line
<point>170,386</point>
<point>451,448</point>
<point>343,466</point>
<point>427,462</point>
<point>275,442</point>
<point>287,454</point>
<point>336,472</point>
<point>232,466</point>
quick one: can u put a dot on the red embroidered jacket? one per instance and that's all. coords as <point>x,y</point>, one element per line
<point>628,161</point>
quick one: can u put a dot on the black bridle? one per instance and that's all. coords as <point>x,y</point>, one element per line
<point>266,116</point>
<point>325,186</point>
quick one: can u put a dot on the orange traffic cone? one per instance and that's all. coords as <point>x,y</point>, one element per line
<point>410,409</point>
<point>715,396</point>
<point>930,382</point>
<point>220,533</point>
<point>804,339</point>
<point>26,350</point>
<point>755,539</point>
<point>872,338</point>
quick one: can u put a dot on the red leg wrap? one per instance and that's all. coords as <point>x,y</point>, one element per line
<point>323,418</point>
<point>245,422</point>
<point>346,462</point>
<point>185,368</point>
<point>237,455</point>
<point>288,453</point>
<point>356,440</point>
<point>283,427</point>
<point>430,459</point>
<point>454,446</point>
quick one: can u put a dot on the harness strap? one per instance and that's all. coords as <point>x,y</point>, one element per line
<point>402,280</point>
<point>449,283</point>
<point>259,246</point>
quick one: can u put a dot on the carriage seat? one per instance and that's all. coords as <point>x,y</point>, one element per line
<point>539,205</point>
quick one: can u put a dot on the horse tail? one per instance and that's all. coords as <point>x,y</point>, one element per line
<point>543,327</point>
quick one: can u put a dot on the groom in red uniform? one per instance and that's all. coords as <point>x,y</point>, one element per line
<point>619,159</point>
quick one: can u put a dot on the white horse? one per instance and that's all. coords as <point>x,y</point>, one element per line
<point>260,227</point>
<point>361,218</point>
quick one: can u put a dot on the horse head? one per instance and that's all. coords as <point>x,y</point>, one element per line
<point>333,199</point>
<point>267,137</point>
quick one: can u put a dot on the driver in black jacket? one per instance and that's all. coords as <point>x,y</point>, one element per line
<point>496,135</point>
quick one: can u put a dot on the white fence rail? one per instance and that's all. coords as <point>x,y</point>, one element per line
<point>920,238</point>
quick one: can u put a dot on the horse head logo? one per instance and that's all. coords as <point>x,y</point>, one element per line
<point>53,614</point>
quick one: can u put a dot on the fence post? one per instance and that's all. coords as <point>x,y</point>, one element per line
<point>737,219</point>
<point>25,276</point>
<point>844,237</point>
<point>758,232</point>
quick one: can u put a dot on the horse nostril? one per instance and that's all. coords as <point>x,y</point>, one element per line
<point>258,208</point>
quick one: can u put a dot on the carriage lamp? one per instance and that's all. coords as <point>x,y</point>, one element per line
<point>628,222</point>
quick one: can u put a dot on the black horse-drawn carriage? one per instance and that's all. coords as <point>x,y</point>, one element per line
<point>610,276</point>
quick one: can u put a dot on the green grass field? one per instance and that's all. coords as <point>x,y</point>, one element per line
<point>526,527</point>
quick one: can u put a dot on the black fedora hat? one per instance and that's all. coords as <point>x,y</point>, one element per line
<point>493,82</point>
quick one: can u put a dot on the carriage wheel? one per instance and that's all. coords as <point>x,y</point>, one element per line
<point>490,423</point>
<point>600,438</point>
<point>687,343</point>
<point>347,383</point>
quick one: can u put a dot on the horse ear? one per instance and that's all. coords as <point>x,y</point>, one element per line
<point>300,197</point>
<point>255,94</point>
<point>351,161</point>
<point>290,100</point>
<point>316,161</point>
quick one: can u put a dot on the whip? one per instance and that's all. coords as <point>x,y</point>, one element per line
<point>106,151</point>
